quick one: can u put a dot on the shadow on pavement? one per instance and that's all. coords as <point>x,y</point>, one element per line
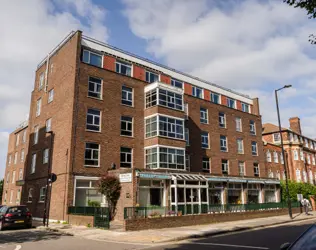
<point>31,235</point>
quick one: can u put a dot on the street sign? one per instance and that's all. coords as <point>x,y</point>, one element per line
<point>126,177</point>
<point>299,197</point>
<point>52,177</point>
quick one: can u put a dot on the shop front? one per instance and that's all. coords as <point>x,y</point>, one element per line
<point>254,193</point>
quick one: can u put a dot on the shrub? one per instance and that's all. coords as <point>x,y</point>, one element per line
<point>306,189</point>
<point>94,203</point>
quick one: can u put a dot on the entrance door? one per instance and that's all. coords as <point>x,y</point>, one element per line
<point>192,201</point>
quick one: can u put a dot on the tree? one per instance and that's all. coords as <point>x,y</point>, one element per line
<point>1,189</point>
<point>310,7</point>
<point>110,187</point>
<point>306,189</point>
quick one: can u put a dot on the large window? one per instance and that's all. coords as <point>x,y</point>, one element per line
<point>35,138</point>
<point>222,120</point>
<point>126,126</point>
<point>241,168</point>
<point>45,155</point>
<point>276,137</point>
<point>151,127</point>
<point>245,107</point>
<point>151,77</point>
<point>123,68</point>
<point>238,124</point>
<point>33,163</point>
<point>269,158</point>
<point>91,156</point>
<point>22,155</point>
<point>206,164</point>
<point>95,87</point>
<point>254,150</point>
<point>302,155</point>
<point>215,98</point>
<point>256,169</point>
<point>163,157</point>
<point>176,83</point>
<point>48,125</point>
<point>42,194</point>
<point>87,191</point>
<point>38,106</point>
<point>276,157</point>
<point>204,139</point>
<point>203,115</point>
<point>127,96</point>
<point>126,157</point>
<point>93,120</point>
<point>171,127</point>
<point>92,58</point>
<point>231,103</point>
<point>50,96</point>
<point>240,146</point>
<point>223,143</point>
<point>166,98</point>
<point>197,92</point>
<point>225,167</point>
<point>252,127</point>
<point>41,81</point>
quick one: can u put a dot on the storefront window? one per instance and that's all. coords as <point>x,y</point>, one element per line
<point>150,193</point>
<point>203,195</point>
<point>253,193</point>
<point>234,193</point>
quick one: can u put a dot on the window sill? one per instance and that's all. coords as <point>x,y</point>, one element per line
<point>221,127</point>
<point>206,123</point>
<point>93,131</point>
<point>41,202</point>
<point>29,202</point>
<point>130,106</point>
<point>128,136</point>
<point>224,151</point>
<point>205,148</point>
<point>89,166</point>
<point>95,98</point>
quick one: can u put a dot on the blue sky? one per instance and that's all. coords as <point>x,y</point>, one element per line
<point>252,46</point>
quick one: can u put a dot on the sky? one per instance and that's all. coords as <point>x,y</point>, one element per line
<point>251,46</point>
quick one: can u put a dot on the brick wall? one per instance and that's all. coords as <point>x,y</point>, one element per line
<point>189,220</point>
<point>80,220</point>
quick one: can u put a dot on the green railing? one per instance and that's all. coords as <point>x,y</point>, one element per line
<point>152,212</point>
<point>82,210</point>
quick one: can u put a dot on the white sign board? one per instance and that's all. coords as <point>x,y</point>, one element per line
<point>126,177</point>
<point>299,197</point>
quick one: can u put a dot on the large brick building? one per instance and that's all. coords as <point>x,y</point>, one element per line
<point>300,150</point>
<point>173,139</point>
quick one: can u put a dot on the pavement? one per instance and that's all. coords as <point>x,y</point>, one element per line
<point>174,234</point>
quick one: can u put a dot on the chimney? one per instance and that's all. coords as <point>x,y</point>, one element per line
<point>295,125</point>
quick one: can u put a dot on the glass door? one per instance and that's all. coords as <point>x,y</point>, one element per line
<point>192,200</point>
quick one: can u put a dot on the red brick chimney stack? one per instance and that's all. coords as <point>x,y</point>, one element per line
<point>295,125</point>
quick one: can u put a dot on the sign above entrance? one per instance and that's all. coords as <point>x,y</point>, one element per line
<point>154,176</point>
<point>126,177</point>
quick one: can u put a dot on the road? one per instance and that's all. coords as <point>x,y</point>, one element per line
<point>268,238</point>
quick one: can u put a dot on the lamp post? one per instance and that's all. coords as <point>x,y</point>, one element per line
<point>283,152</point>
<point>48,182</point>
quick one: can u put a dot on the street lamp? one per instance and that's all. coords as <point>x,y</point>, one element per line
<point>283,152</point>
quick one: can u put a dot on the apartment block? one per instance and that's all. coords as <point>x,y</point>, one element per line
<point>173,139</point>
<point>300,150</point>
<point>15,165</point>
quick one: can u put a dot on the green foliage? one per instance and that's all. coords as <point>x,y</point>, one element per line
<point>1,189</point>
<point>88,225</point>
<point>110,187</point>
<point>65,222</point>
<point>306,189</point>
<point>94,203</point>
<point>58,222</point>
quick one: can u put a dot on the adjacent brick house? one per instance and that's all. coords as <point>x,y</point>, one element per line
<point>173,139</point>
<point>300,150</point>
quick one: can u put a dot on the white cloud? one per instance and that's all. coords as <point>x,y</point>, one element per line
<point>251,46</point>
<point>29,30</point>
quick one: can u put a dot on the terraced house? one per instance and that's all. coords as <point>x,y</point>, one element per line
<point>173,139</point>
<point>300,150</point>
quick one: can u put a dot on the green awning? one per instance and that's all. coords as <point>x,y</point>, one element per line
<point>154,176</point>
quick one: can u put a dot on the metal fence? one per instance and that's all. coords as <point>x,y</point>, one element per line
<point>152,212</point>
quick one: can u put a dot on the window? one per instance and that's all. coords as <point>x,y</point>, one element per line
<point>197,92</point>
<point>276,157</point>
<point>187,137</point>
<point>38,106</point>
<point>95,87</point>
<point>8,177</point>
<point>223,143</point>
<point>278,176</point>
<point>151,126</point>
<point>15,157</point>
<point>49,125</point>
<point>281,158</point>
<point>5,196</point>
<point>295,154</point>
<point>215,98</point>
<point>245,107</point>
<point>176,83</point>
<point>301,140</point>
<point>269,159</point>
<point>306,142</point>
<point>203,115</point>
<point>9,159</point>
<point>50,96</point>
<point>304,176</point>
<point>252,127</point>
<point>127,96</point>
<point>42,194</point>
<point>276,137</point>
<point>295,137</point>
<point>93,120</point>
<point>123,68</point>
<point>283,175</point>
<point>238,124</point>
<point>310,175</point>
<point>225,167</point>
<point>24,136</point>
<point>298,175</point>
<point>151,77</point>
<point>35,135</point>
<point>290,137</point>
<point>17,139</point>
<point>270,174</point>
<point>171,127</point>
<point>18,195</point>
<point>22,155</point>
<point>240,146</point>
<point>41,81</point>
<point>241,168</point>
<point>254,148</point>
<point>231,103</point>
<point>91,156</point>
<point>21,174</point>
<point>187,162</point>
<point>302,155</point>
<point>256,169</point>
<point>45,155</point>
<point>126,126</point>
<point>186,110</point>
<point>308,159</point>
<point>166,98</point>
<point>30,196</point>
<point>92,58</point>
<point>313,159</point>
<point>11,196</point>
<point>33,163</point>
<point>206,164</point>
<point>204,139</point>
<point>126,157</point>
<point>13,176</point>
<point>162,157</point>
<point>222,120</point>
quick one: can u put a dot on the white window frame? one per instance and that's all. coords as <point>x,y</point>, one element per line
<point>148,75</point>
<point>45,155</point>
<point>223,143</point>
<point>243,107</point>
<point>126,154</point>
<point>42,195</point>
<point>241,166</point>
<point>240,146</point>
<point>205,140</point>
<point>128,101</point>
<point>298,175</point>
<point>48,125</point>
<point>24,136</point>
<point>95,82</point>
<point>38,106</point>
<point>175,81</point>
<point>225,166</point>
<point>295,155</point>
<point>8,177</point>
<point>194,92</point>
<point>256,169</point>
<point>222,119</point>
<point>252,125</point>
<point>187,137</point>
<point>125,122</point>
<point>118,67</point>
<point>21,174</point>
<point>92,154</point>
<point>238,124</point>
<point>13,177</point>
<point>302,155</point>
<point>276,137</point>
<point>281,158</point>
<point>204,115</point>
<point>33,163</point>
<point>15,158</point>
<point>206,164</point>
<point>308,158</point>
<point>313,160</point>
<point>30,195</point>
<point>268,156</point>
<point>213,98</point>
<point>41,81</point>
<point>231,103</point>
<point>254,148</point>
<point>174,126</point>
<point>50,96</point>
<point>275,157</point>
<point>17,140</point>
<point>89,59</point>
<point>94,124</point>
<point>22,155</point>
<point>36,134</point>
<point>304,176</point>
<point>9,160</point>
<point>11,196</point>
